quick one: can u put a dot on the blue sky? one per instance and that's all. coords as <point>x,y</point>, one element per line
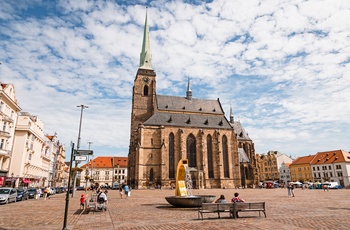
<point>282,65</point>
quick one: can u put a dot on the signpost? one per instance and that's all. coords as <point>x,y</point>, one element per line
<point>80,158</point>
<point>84,152</point>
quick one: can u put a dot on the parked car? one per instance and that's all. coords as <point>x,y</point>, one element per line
<point>31,193</point>
<point>8,195</point>
<point>80,188</point>
<point>22,194</point>
<point>63,189</point>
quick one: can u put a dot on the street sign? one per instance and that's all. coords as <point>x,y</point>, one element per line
<point>80,158</point>
<point>85,152</point>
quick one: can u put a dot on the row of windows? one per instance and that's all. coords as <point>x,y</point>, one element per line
<point>327,174</point>
<point>192,155</point>
<point>324,167</point>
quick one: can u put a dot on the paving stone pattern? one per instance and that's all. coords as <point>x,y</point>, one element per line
<point>148,209</point>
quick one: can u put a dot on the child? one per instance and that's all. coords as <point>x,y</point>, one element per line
<point>82,201</point>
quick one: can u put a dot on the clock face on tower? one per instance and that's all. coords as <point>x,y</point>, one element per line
<point>145,79</point>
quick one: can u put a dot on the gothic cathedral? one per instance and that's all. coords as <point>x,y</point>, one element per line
<point>165,129</point>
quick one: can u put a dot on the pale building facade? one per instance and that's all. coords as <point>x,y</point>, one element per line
<point>58,156</point>
<point>166,129</point>
<point>331,166</point>
<point>285,176</point>
<point>9,109</point>
<point>31,160</point>
<point>104,170</point>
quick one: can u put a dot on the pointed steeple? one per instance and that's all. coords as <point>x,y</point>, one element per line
<point>145,56</point>
<point>231,115</point>
<point>188,92</point>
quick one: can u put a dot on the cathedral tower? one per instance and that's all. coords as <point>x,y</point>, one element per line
<point>144,90</point>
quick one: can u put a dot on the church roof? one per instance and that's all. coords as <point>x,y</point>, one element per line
<point>184,105</point>
<point>240,131</point>
<point>243,158</point>
<point>188,120</point>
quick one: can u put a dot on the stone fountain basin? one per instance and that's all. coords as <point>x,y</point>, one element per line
<point>189,201</point>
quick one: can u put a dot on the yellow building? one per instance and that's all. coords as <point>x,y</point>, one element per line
<point>300,169</point>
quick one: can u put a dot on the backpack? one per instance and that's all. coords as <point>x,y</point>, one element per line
<point>99,198</point>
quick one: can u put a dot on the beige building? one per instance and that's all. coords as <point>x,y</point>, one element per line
<point>104,170</point>
<point>57,165</point>
<point>269,165</point>
<point>8,117</point>
<point>165,129</point>
<point>35,154</point>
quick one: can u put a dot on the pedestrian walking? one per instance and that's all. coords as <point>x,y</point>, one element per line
<point>121,192</point>
<point>288,189</point>
<point>126,190</point>
<point>37,193</point>
<point>46,189</point>
<point>292,189</point>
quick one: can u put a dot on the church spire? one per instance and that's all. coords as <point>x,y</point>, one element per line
<point>188,92</point>
<point>231,115</point>
<point>145,56</point>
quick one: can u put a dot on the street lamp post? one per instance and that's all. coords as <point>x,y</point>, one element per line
<point>87,169</point>
<point>78,145</point>
<point>12,180</point>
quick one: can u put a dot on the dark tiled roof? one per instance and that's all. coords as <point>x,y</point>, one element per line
<point>188,120</point>
<point>243,158</point>
<point>172,103</point>
<point>239,130</point>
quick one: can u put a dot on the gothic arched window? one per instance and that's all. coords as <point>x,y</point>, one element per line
<point>210,157</point>
<point>171,156</point>
<point>145,90</point>
<point>191,151</point>
<point>225,157</point>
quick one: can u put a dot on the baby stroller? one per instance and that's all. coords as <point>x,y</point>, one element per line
<point>101,204</point>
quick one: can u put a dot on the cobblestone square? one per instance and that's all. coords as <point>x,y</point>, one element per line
<point>148,209</point>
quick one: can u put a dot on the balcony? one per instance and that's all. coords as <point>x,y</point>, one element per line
<point>5,153</point>
<point>5,134</point>
<point>6,118</point>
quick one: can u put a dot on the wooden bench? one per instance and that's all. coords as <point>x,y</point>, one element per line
<point>214,208</point>
<point>247,207</point>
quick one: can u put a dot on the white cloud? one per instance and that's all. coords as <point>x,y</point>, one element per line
<point>283,65</point>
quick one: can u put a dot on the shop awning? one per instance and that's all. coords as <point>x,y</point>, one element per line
<point>26,181</point>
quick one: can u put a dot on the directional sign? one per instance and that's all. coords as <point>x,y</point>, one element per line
<point>80,158</point>
<point>85,152</point>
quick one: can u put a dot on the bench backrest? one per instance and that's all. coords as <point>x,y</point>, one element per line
<point>224,206</point>
<point>254,205</point>
<point>216,206</point>
<point>209,206</point>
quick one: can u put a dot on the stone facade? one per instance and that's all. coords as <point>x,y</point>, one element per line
<point>269,165</point>
<point>165,129</point>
